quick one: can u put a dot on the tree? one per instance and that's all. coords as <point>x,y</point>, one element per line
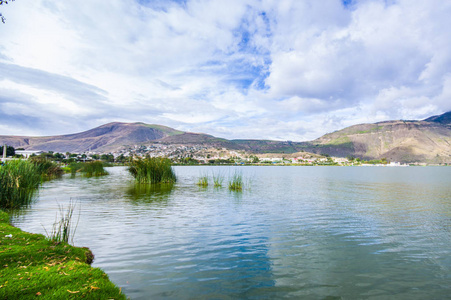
<point>107,157</point>
<point>10,151</point>
<point>1,3</point>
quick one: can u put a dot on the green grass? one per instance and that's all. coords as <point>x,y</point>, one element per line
<point>35,267</point>
<point>152,170</point>
<point>203,181</point>
<point>63,228</point>
<point>19,180</point>
<point>236,182</point>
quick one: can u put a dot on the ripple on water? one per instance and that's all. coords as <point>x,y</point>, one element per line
<point>305,232</point>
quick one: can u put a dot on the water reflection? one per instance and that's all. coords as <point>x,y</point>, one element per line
<point>147,193</point>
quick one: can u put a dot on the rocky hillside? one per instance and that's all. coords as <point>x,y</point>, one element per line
<point>405,141</point>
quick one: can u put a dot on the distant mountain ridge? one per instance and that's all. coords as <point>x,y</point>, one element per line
<point>405,141</point>
<point>107,137</point>
<point>444,119</point>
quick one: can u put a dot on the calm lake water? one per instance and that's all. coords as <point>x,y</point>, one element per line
<point>296,232</point>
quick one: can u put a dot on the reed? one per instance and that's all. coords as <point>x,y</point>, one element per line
<point>63,229</point>
<point>236,182</point>
<point>218,180</point>
<point>203,181</point>
<point>46,168</point>
<point>152,170</point>
<point>93,168</point>
<point>88,169</point>
<point>19,180</point>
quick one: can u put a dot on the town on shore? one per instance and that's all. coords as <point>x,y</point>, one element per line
<point>201,155</point>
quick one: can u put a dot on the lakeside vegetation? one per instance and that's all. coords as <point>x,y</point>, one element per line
<point>46,168</point>
<point>19,181</point>
<point>34,266</point>
<point>218,180</point>
<point>63,229</point>
<point>152,170</point>
<point>88,169</point>
<point>202,181</point>
<point>236,182</point>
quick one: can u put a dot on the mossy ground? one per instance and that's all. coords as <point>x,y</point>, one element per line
<point>34,267</point>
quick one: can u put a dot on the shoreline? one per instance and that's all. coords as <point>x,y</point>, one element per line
<point>34,266</point>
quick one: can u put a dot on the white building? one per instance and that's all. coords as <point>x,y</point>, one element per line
<point>28,153</point>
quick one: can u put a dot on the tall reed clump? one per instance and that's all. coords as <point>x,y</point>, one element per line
<point>93,168</point>
<point>19,180</point>
<point>46,168</point>
<point>88,169</point>
<point>152,170</point>
<point>63,229</point>
<point>236,182</point>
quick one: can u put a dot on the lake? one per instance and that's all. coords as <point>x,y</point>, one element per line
<point>293,232</point>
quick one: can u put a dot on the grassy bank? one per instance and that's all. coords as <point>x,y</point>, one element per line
<point>33,266</point>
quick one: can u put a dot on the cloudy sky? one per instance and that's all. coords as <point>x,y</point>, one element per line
<point>266,69</point>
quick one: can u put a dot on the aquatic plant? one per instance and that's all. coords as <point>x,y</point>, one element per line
<point>203,181</point>
<point>93,168</point>
<point>88,169</point>
<point>152,170</point>
<point>62,229</point>
<point>218,179</point>
<point>236,182</point>
<point>19,180</point>
<point>46,168</point>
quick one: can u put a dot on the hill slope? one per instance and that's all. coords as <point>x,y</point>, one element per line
<point>114,136</point>
<point>107,137</point>
<point>404,141</point>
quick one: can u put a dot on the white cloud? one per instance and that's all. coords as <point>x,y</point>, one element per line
<point>238,69</point>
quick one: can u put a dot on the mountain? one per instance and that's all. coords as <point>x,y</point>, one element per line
<point>428,140</point>
<point>444,119</point>
<point>106,138</point>
<point>114,136</point>
<point>404,141</point>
